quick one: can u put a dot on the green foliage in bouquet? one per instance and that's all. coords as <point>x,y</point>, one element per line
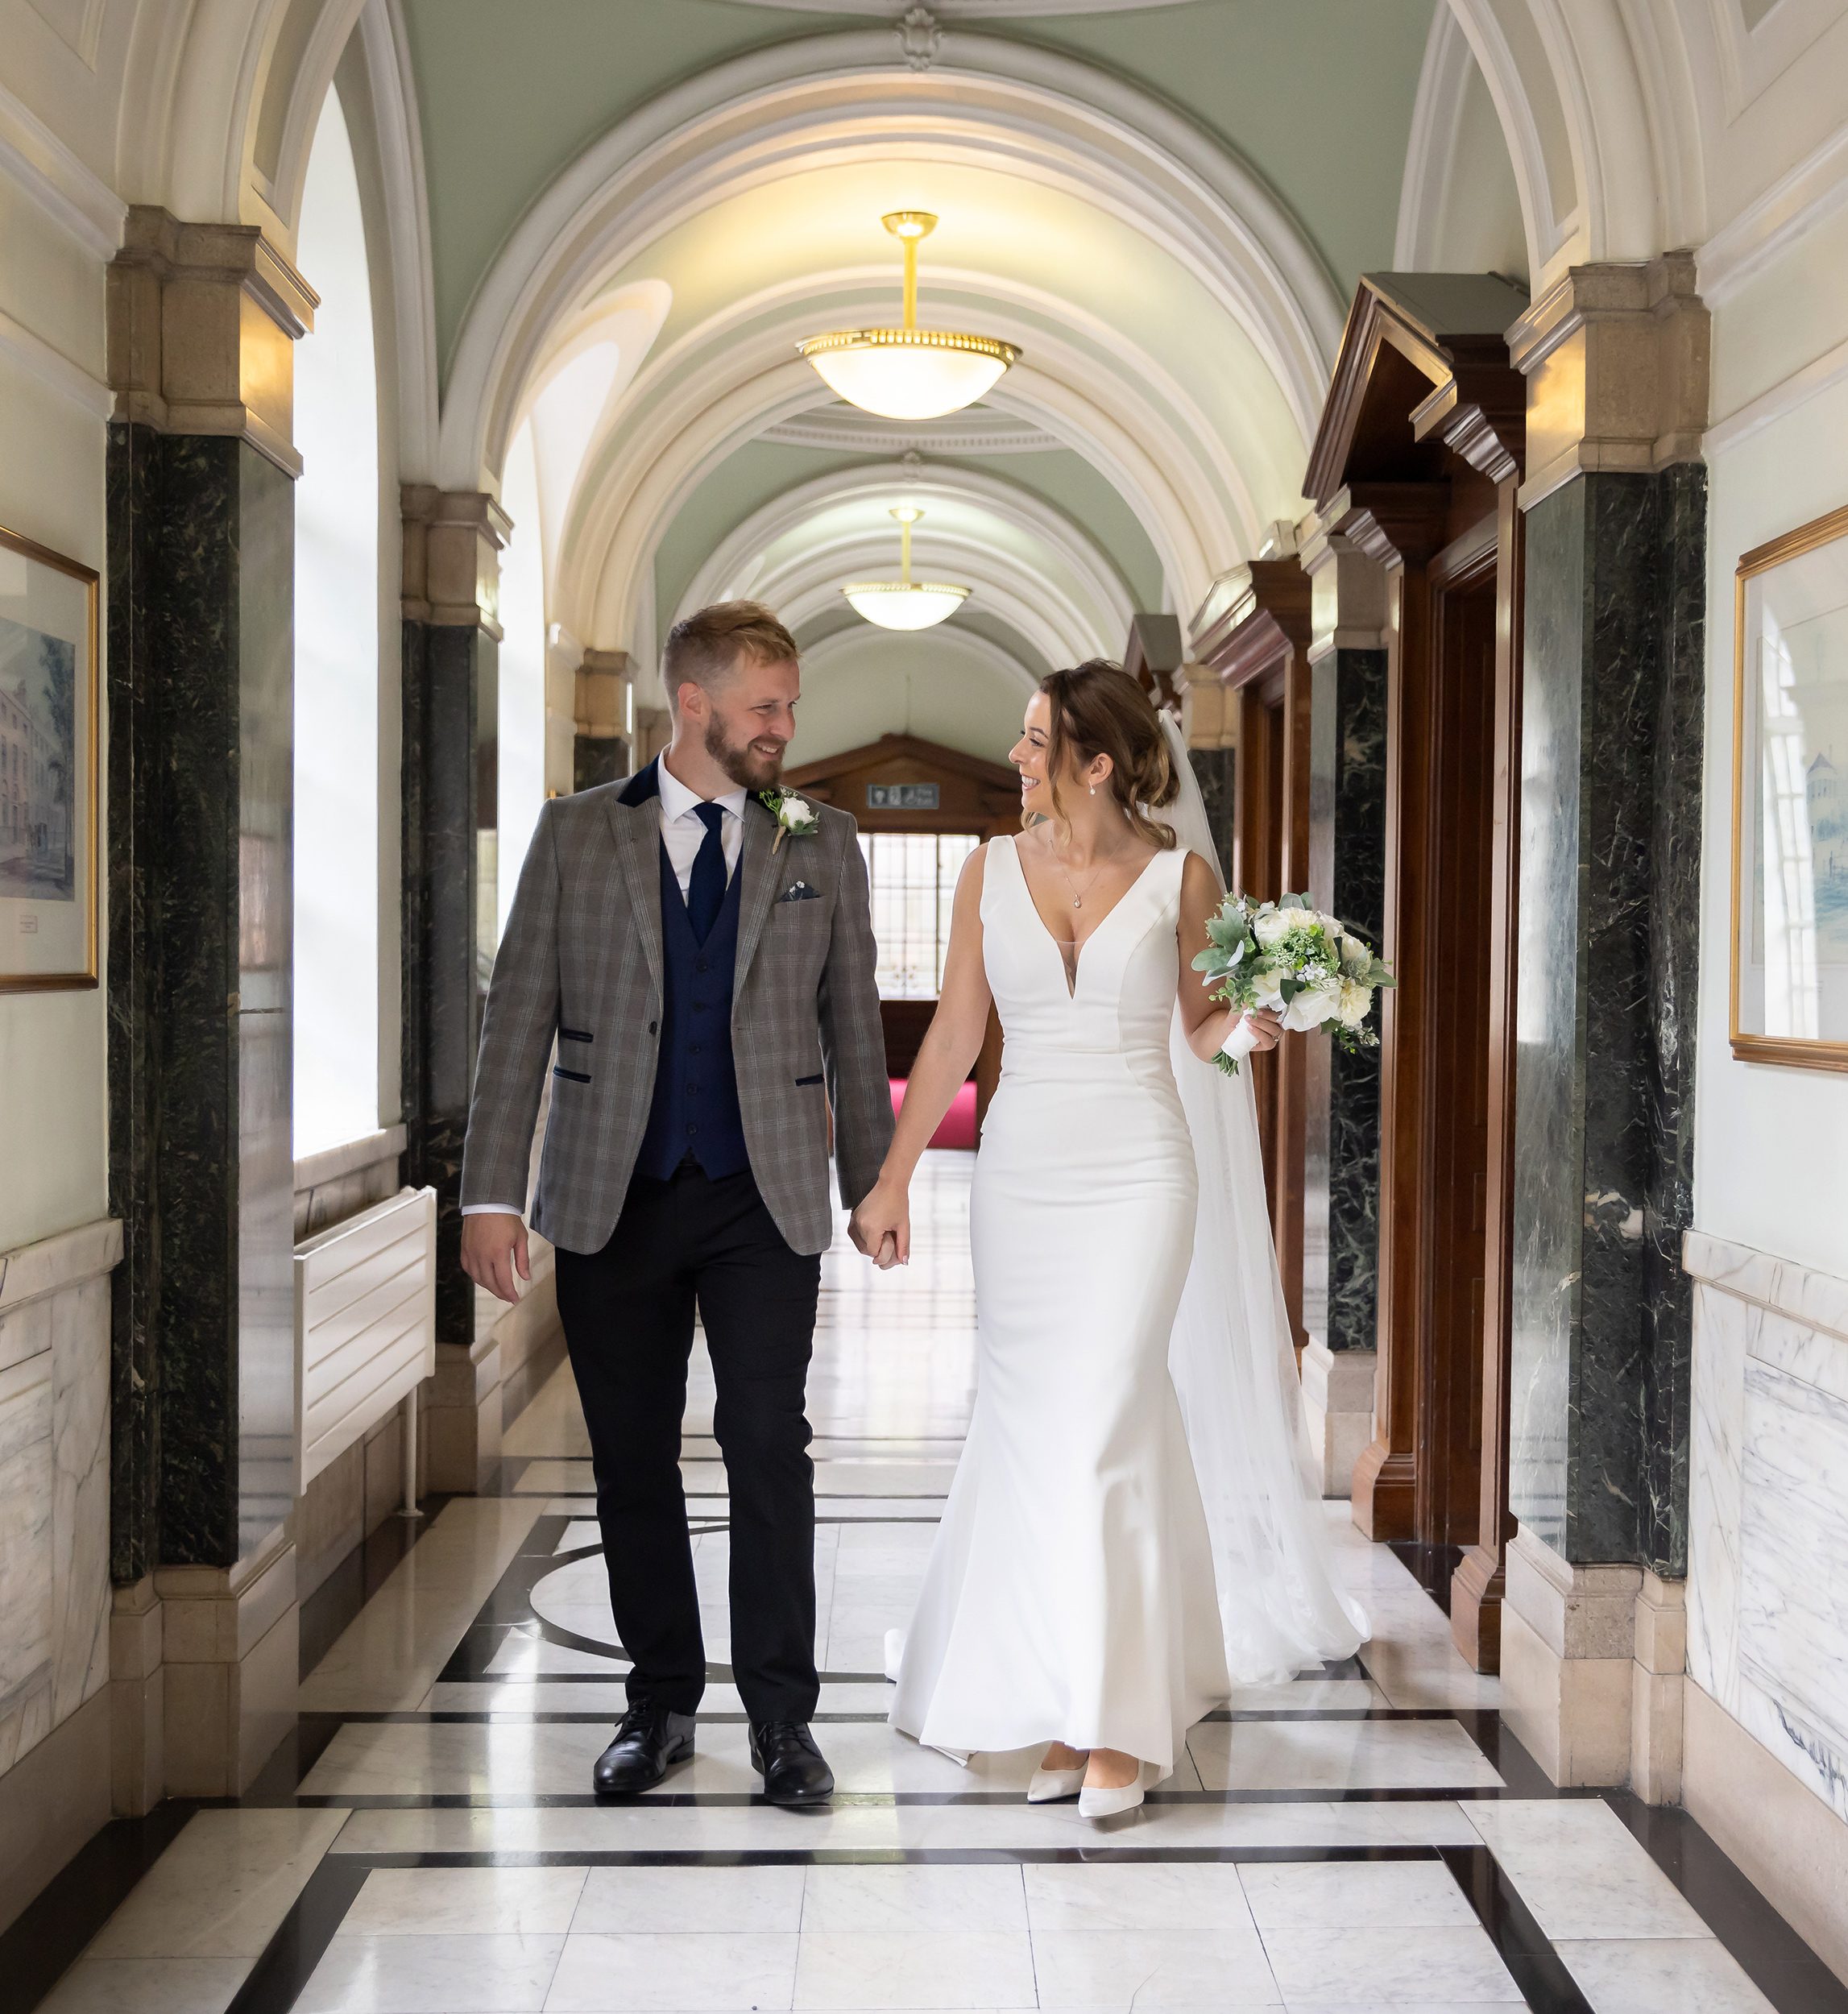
<point>1304,966</point>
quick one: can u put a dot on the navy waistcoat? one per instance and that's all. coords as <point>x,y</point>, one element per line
<point>695,1109</point>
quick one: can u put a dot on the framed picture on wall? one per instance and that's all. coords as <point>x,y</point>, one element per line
<point>1790,799</point>
<point>48,769</point>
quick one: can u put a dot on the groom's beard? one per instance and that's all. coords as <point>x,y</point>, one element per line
<point>744,762</point>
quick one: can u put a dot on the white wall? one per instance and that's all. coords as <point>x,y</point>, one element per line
<point>53,1052</point>
<point>1771,1144</point>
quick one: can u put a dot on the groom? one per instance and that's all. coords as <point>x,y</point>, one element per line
<point>704,964</point>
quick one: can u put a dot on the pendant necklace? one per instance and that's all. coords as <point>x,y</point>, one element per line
<point>1078,895</point>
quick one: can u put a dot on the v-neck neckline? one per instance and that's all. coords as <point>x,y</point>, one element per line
<point>1078,949</point>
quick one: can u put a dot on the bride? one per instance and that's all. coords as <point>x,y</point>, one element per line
<point>1133,1527</point>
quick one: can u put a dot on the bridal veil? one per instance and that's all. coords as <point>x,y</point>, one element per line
<point>1233,1365</point>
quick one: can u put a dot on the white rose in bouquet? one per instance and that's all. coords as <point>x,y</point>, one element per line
<point>1356,955</point>
<point>1271,926</point>
<point>1356,1000</point>
<point>1267,987</point>
<point>1312,1006</point>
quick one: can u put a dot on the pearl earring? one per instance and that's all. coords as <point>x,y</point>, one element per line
<point>1094,789</point>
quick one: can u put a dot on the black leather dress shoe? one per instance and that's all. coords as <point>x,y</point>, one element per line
<point>649,1741</point>
<point>794,1772</point>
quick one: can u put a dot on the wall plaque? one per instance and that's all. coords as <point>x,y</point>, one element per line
<point>902,797</point>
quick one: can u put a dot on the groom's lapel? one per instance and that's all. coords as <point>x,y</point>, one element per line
<point>757,892</point>
<point>634,825</point>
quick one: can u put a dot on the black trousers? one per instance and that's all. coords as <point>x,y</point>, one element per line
<point>627,1313</point>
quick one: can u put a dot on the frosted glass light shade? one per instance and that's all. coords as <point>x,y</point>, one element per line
<point>895,604</point>
<point>908,373</point>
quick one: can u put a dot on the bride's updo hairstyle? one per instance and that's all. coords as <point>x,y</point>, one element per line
<point>1098,709</point>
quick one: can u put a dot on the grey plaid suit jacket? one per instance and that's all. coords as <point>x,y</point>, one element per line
<point>582,959</point>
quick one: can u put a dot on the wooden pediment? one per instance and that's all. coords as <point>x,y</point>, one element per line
<point>1423,371</point>
<point>902,783</point>
<point>1265,623</point>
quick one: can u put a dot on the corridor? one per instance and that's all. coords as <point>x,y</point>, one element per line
<point>1366,1838</point>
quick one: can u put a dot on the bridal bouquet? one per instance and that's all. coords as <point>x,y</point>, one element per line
<point>1293,959</point>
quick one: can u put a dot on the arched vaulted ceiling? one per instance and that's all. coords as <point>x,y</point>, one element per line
<point>1165,202</point>
<point>1176,324</point>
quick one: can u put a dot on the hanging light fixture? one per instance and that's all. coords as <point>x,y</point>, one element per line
<point>905,603</point>
<point>909,373</point>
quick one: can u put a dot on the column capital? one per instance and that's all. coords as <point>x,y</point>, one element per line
<point>1347,585</point>
<point>606,686</point>
<point>452,542</point>
<point>1616,358</point>
<point>203,320</point>
<point>1209,718</point>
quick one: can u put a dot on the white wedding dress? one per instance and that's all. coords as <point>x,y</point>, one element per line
<point>1133,1527</point>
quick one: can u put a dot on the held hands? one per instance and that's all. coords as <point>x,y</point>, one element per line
<point>493,1250</point>
<point>881,1226</point>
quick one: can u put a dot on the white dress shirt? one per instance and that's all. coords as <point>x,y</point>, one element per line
<point>682,833</point>
<point>682,830</point>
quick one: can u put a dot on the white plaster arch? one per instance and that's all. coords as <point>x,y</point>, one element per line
<point>1012,537</point>
<point>1598,103</point>
<point>1042,114</point>
<point>209,76</point>
<point>860,682</point>
<point>690,414</point>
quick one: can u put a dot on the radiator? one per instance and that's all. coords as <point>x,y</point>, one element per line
<point>365,1326</point>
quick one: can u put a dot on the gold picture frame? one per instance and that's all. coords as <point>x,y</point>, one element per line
<point>1790,710</point>
<point>50,777</point>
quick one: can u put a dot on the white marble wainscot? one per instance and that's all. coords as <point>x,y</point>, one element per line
<point>54,1480</point>
<point>1767,1592</point>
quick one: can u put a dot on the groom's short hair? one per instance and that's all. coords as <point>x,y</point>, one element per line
<point>706,648</point>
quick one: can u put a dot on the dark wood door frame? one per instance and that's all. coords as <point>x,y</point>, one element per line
<point>1259,647</point>
<point>1423,438</point>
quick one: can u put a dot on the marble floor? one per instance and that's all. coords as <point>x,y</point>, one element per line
<point>1366,1838</point>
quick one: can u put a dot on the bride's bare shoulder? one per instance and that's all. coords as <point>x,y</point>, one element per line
<point>1200,883</point>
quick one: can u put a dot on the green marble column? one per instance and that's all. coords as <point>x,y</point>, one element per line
<point>200,532</point>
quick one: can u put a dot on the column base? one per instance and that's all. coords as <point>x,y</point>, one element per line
<point>1382,1493</point>
<point>231,1651</point>
<point>1478,1589</point>
<point>1592,1665</point>
<point>460,1425</point>
<point>1338,1409</point>
<point>137,1701</point>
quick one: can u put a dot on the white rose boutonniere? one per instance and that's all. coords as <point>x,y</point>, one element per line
<point>796,818</point>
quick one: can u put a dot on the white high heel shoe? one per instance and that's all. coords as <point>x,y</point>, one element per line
<point>1101,1803</point>
<point>1048,1786</point>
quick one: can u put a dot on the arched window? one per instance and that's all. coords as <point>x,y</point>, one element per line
<point>336,781</point>
<point>520,770</point>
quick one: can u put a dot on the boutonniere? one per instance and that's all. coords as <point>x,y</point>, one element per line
<point>795,817</point>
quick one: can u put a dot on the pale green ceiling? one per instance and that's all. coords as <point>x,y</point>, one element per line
<point>1316,94</point>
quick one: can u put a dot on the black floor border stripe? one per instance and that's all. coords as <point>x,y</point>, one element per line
<point>879,1799</point>
<point>274,1982</point>
<point>49,1934</point>
<point>464,1716</point>
<point>1771,1953</point>
<point>1536,1968</point>
<point>1101,1854</point>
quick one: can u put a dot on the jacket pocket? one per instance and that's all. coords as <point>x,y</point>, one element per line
<point>575,1034</point>
<point>576,1076</point>
<point>802,1081</point>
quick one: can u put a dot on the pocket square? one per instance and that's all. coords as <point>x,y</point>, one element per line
<point>800,891</point>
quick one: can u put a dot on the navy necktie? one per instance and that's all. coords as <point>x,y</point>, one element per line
<point>706,891</point>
